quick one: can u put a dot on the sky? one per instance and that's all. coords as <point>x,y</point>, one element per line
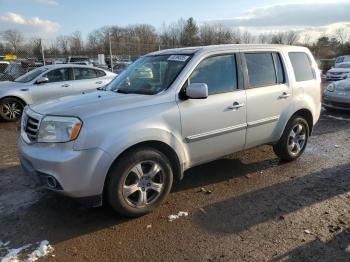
<point>49,18</point>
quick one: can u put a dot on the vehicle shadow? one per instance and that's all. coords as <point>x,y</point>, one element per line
<point>222,170</point>
<point>317,250</point>
<point>331,122</point>
<point>240,213</point>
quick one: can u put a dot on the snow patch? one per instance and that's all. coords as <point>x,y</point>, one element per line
<point>13,255</point>
<point>178,215</point>
<point>43,250</point>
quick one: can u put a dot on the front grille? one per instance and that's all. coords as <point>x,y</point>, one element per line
<point>31,123</point>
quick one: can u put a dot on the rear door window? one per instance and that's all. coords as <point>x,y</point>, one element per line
<point>100,73</point>
<point>301,66</point>
<point>261,69</point>
<point>84,73</point>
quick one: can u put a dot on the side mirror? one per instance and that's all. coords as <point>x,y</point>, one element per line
<point>197,91</point>
<point>42,80</point>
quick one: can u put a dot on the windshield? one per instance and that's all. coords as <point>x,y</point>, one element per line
<point>149,75</point>
<point>31,75</point>
<point>344,66</point>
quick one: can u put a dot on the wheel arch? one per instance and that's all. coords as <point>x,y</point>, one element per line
<point>24,103</point>
<point>307,115</point>
<point>157,145</point>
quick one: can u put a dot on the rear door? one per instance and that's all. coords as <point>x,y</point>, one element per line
<point>88,79</point>
<point>215,126</point>
<point>59,84</point>
<point>268,94</point>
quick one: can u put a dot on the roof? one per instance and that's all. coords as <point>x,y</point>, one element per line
<point>69,65</point>
<point>211,48</point>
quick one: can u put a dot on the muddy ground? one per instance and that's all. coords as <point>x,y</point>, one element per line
<point>259,209</point>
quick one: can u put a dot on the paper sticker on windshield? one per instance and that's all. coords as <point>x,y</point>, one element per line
<point>178,58</point>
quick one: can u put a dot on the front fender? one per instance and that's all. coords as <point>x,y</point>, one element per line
<point>125,141</point>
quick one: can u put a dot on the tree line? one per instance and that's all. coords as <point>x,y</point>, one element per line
<point>135,40</point>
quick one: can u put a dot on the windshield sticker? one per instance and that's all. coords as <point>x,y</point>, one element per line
<point>179,58</point>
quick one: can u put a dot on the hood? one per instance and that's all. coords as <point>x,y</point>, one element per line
<point>95,103</point>
<point>343,85</point>
<point>10,86</point>
<point>339,70</point>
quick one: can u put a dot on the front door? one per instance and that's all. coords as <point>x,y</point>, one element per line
<point>215,126</point>
<point>59,84</point>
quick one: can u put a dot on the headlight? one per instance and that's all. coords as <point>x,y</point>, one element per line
<point>57,129</point>
<point>330,88</point>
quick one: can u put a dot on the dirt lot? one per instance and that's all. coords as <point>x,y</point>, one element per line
<point>259,209</point>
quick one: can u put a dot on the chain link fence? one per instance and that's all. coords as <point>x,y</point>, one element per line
<point>18,59</point>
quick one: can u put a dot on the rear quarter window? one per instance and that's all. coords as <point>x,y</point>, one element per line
<point>302,66</point>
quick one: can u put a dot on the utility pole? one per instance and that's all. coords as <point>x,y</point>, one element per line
<point>110,50</point>
<point>42,51</point>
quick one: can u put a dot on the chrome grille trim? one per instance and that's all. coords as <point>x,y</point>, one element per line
<point>30,126</point>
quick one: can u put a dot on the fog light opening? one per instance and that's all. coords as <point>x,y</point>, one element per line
<point>51,182</point>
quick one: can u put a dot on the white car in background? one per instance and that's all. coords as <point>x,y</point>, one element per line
<point>342,59</point>
<point>49,82</point>
<point>339,72</point>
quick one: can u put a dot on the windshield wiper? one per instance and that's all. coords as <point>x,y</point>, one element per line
<point>121,90</point>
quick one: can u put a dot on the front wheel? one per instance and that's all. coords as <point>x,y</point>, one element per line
<point>294,140</point>
<point>11,109</point>
<point>139,182</point>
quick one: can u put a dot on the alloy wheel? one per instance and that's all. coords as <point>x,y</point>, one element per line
<point>297,139</point>
<point>11,110</point>
<point>143,184</point>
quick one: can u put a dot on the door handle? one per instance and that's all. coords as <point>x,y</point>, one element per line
<point>65,85</point>
<point>284,95</point>
<point>99,82</point>
<point>236,105</point>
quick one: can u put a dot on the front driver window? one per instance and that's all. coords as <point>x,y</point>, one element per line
<point>219,73</point>
<point>58,75</point>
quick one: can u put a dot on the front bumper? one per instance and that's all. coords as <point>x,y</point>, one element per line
<point>336,101</point>
<point>79,174</point>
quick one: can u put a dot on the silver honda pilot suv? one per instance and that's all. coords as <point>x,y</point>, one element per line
<point>169,111</point>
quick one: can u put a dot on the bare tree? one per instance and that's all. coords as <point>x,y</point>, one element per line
<point>76,43</point>
<point>14,38</point>
<point>342,35</point>
<point>277,38</point>
<point>291,38</point>
<point>247,38</point>
<point>63,44</point>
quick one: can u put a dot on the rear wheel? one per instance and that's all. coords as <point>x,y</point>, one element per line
<point>294,140</point>
<point>139,182</point>
<point>11,109</point>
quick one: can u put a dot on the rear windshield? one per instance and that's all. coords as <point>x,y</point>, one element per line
<point>302,66</point>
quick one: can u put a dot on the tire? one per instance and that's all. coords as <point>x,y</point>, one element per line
<point>125,177</point>
<point>11,109</point>
<point>284,148</point>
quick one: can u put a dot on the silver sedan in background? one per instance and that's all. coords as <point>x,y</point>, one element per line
<point>337,95</point>
<point>49,82</point>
